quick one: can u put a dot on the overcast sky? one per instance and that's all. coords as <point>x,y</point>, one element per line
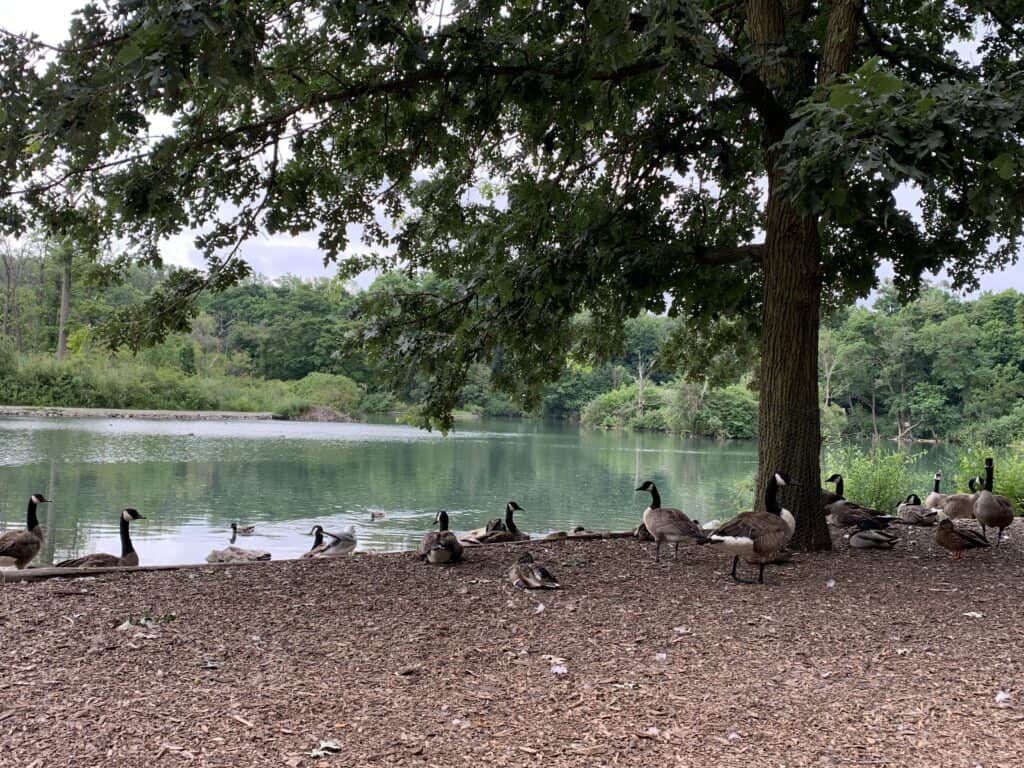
<point>278,255</point>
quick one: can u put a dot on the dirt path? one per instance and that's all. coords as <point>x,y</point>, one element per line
<point>853,659</point>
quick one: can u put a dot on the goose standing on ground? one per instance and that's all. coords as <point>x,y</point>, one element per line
<point>19,546</point>
<point>911,512</point>
<point>497,531</point>
<point>317,532</point>
<point>129,557</point>
<point>960,506</point>
<point>869,538</point>
<point>990,510</point>
<point>666,523</point>
<point>757,536</point>
<point>344,543</point>
<point>956,540</point>
<point>936,500</point>
<point>440,546</point>
<point>241,530</point>
<point>526,574</point>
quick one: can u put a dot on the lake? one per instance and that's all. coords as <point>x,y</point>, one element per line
<point>191,479</point>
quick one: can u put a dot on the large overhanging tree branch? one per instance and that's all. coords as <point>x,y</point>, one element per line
<point>537,160</point>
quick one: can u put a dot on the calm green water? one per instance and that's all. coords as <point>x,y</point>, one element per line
<point>191,479</point>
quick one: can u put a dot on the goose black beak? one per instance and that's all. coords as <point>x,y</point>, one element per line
<point>639,489</point>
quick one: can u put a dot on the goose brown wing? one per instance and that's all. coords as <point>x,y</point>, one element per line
<point>430,538</point>
<point>451,542</point>
<point>671,520</point>
<point>97,560</point>
<point>768,532</point>
<point>14,542</point>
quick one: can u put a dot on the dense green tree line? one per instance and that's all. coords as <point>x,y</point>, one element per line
<point>936,368</point>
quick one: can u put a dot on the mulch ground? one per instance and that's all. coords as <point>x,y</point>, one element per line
<point>902,658</point>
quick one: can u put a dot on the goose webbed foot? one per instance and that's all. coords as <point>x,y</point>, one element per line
<point>675,551</point>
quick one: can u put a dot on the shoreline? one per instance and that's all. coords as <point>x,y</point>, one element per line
<point>57,412</point>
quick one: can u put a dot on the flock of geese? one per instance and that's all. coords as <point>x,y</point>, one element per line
<point>757,537</point>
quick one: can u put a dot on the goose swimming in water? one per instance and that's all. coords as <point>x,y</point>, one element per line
<point>19,546</point>
<point>129,557</point>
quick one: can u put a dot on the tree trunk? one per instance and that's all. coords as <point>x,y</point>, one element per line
<point>65,304</point>
<point>789,419</point>
<point>874,415</point>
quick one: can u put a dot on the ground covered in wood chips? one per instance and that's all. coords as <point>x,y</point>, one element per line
<point>902,658</point>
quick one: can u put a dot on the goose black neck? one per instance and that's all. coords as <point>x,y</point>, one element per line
<point>839,487</point>
<point>655,497</point>
<point>989,472</point>
<point>442,521</point>
<point>936,486</point>
<point>509,522</point>
<point>31,521</point>
<point>771,496</point>
<point>318,538</point>
<point>126,539</point>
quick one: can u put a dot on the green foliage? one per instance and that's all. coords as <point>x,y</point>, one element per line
<point>8,358</point>
<point>728,413</point>
<point>330,390</point>
<point>620,408</point>
<point>878,477</point>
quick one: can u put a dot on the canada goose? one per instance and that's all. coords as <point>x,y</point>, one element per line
<point>344,543</point>
<point>497,531</point>
<point>757,536</point>
<point>317,532</point>
<point>869,538</point>
<point>911,512</point>
<point>242,530</point>
<point>526,574</point>
<point>440,546</point>
<point>960,506</point>
<point>129,557</point>
<point>936,500</point>
<point>956,540</point>
<point>19,546</point>
<point>845,513</point>
<point>666,523</point>
<point>830,497</point>
<point>990,510</point>
<point>377,515</point>
<point>233,554</point>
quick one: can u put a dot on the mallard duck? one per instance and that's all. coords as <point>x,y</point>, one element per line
<point>233,554</point>
<point>830,497</point>
<point>242,530</point>
<point>440,546</point>
<point>317,532</point>
<point>911,512</point>
<point>870,538</point>
<point>19,546</point>
<point>526,574</point>
<point>759,535</point>
<point>344,543</point>
<point>936,500</point>
<point>497,531</point>
<point>129,557</point>
<point>666,523</point>
<point>956,540</point>
<point>990,510</point>
<point>960,506</point>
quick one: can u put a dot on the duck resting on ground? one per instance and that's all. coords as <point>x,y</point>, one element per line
<point>317,532</point>
<point>666,524</point>
<point>20,545</point>
<point>129,557</point>
<point>866,537</point>
<point>990,510</point>
<point>526,574</point>
<point>957,539</point>
<point>344,543</point>
<point>759,535</point>
<point>440,546</point>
